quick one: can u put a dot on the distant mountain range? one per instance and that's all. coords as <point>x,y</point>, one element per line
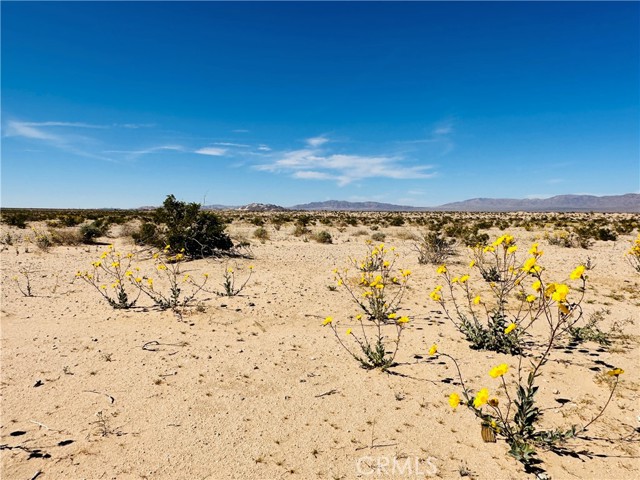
<point>629,202</point>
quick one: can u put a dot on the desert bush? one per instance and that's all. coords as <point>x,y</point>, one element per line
<point>378,293</point>
<point>17,219</point>
<point>186,229</point>
<point>299,230</point>
<point>65,236</point>
<point>378,237</point>
<point>560,238</point>
<point>517,419</point>
<point>91,231</point>
<point>500,320</point>
<point>261,234</point>
<point>434,249</point>
<point>322,237</point>
<point>591,331</point>
<point>395,220</point>
<point>42,239</point>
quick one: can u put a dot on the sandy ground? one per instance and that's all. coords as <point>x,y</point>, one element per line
<point>253,387</point>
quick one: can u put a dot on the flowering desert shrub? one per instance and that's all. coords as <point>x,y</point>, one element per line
<point>518,295</point>
<point>121,283</point>
<point>110,276</point>
<point>512,412</point>
<point>377,290</point>
<point>633,255</point>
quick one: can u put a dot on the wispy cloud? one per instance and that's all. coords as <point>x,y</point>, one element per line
<point>229,144</point>
<point>316,164</point>
<point>441,134</point>
<point>61,124</point>
<point>212,151</point>
<point>147,151</point>
<point>264,148</point>
<point>64,141</point>
<point>134,125</point>
<point>317,141</point>
<point>240,130</point>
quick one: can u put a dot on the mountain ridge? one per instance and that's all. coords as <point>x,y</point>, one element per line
<point>625,203</point>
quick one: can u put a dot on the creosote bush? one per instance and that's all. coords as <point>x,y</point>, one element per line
<point>377,291</point>
<point>187,229</point>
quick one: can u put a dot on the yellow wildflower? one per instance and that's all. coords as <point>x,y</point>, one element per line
<point>512,249</point>
<point>615,372</point>
<point>560,293</point>
<point>472,263</point>
<point>327,321</point>
<point>392,315</point>
<point>531,298</point>
<point>476,300</point>
<point>359,317</point>
<point>499,371</point>
<point>481,398</point>
<point>536,285</point>
<point>464,278</point>
<point>402,320</point>
<point>577,273</point>
<point>563,308</point>
<point>510,328</point>
<point>433,350</point>
<point>441,269</point>
<point>348,331</point>
<point>489,249</point>
<point>454,400</point>
<point>529,265</point>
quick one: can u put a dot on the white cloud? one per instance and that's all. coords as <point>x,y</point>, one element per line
<point>62,124</point>
<point>212,151</point>
<point>228,144</point>
<point>146,151</point>
<point>312,164</point>
<point>317,141</point>
<point>29,130</point>
<point>264,148</point>
<point>67,142</point>
<point>240,130</point>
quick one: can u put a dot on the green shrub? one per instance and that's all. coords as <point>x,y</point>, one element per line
<point>323,237</point>
<point>261,234</point>
<point>90,232</point>
<point>186,229</point>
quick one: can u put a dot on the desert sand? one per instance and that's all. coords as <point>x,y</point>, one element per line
<point>254,387</point>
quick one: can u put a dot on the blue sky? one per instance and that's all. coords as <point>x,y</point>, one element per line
<point>422,103</point>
